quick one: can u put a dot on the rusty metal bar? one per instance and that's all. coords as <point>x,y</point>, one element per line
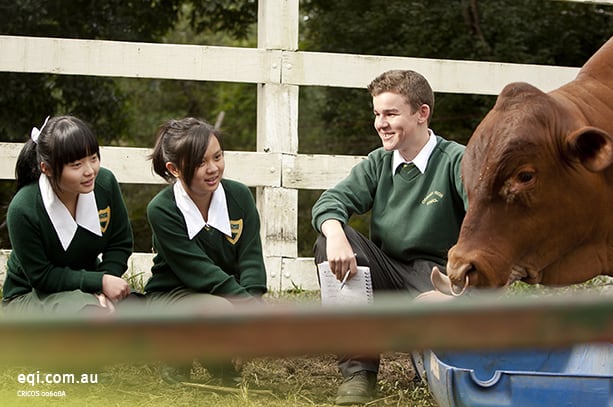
<point>392,324</point>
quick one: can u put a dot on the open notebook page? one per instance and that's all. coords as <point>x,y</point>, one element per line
<point>357,290</point>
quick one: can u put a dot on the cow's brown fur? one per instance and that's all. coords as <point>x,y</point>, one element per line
<point>538,171</point>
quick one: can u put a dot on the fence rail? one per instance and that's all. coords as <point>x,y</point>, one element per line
<point>392,324</point>
<point>287,67</point>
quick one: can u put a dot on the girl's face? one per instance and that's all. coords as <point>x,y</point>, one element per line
<point>210,171</point>
<point>79,177</point>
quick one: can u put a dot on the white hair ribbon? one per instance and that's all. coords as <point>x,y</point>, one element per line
<point>36,132</point>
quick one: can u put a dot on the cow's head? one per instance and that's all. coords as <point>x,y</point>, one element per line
<point>533,173</point>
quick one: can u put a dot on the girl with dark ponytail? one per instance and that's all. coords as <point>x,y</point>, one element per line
<point>206,231</point>
<point>68,225</point>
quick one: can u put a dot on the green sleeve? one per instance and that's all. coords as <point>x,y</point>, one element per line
<point>354,194</point>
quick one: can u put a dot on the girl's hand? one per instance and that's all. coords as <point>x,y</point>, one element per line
<point>115,288</point>
<point>105,302</point>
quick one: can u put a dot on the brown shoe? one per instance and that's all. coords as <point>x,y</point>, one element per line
<point>359,388</point>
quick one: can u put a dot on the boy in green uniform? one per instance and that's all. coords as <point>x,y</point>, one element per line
<point>413,188</point>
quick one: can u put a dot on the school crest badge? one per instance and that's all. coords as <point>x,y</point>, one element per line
<point>236,227</point>
<point>432,198</point>
<point>104,216</point>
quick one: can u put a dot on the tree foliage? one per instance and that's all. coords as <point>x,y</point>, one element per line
<point>134,20</point>
<point>234,17</point>
<point>28,98</point>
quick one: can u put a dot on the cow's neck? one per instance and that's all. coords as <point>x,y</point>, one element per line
<point>589,96</point>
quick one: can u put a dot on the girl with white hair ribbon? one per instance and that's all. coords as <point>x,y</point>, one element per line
<point>68,225</point>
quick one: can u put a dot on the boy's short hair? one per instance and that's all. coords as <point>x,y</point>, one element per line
<point>411,85</point>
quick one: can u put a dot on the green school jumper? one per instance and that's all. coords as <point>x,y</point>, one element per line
<point>38,260</point>
<point>414,215</point>
<point>211,262</point>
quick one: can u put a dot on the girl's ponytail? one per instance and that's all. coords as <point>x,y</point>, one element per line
<point>158,155</point>
<point>27,168</point>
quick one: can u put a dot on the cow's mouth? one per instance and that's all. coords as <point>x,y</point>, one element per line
<point>517,273</point>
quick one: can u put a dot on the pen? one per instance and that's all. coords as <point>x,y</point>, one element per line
<point>344,279</point>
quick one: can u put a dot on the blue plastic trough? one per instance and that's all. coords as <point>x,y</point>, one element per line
<point>575,377</point>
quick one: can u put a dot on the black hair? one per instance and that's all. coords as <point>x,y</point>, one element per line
<point>183,143</point>
<point>62,140</point>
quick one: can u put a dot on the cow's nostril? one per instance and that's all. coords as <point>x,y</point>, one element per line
<point>467,274</point>
<point>457,291</point>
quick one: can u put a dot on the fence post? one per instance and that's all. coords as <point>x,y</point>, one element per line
<point>277,131</point>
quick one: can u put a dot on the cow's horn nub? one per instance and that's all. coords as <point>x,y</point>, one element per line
<point>442,283</point>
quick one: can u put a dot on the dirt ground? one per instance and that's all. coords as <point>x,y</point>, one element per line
<point>316,379</point>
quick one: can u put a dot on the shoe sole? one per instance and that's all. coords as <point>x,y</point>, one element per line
<point>349,400</point>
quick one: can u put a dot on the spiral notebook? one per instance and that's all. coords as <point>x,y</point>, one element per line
<point>357,290</point>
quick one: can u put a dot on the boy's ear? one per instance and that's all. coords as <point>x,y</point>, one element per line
<point>424,113</point>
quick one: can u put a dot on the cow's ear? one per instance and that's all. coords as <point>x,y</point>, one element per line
<point>593,147</point>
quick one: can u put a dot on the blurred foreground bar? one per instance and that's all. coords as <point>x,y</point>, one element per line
<point>138,334</point>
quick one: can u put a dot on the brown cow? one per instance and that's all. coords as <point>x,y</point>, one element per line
<point>538,171</point>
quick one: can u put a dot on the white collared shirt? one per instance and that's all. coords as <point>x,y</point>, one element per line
<point>421,159</point>
<point>218,211</point>
<point>64,224</point>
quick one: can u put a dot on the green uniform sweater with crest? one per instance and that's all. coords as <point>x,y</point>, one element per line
<point>211,262</point>
<point>413,215</point>
<point>38,260</point>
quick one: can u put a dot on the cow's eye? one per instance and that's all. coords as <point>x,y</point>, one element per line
<point>525,176</point>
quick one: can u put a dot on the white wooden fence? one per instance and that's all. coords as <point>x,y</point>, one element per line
<point>279,70</point>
